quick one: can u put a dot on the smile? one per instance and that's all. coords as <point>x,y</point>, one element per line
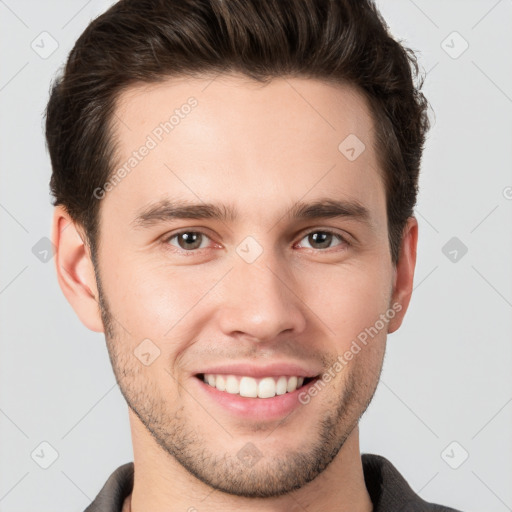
<point>250,387</point>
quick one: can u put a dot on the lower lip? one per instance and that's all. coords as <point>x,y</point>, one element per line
<point>255,408</point>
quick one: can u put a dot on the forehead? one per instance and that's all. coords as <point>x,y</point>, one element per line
<point>285,139</point>
<point>335,107</point>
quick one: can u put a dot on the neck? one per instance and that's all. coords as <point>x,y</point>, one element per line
<point>162,485</point>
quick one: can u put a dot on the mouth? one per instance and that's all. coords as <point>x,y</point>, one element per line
<point>250,387</point>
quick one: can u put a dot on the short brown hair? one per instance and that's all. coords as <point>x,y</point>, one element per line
<point>151,40</point>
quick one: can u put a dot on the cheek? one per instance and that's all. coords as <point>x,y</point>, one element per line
<point>347,298</point>
<point>158,301</point>
<point>154,300</point>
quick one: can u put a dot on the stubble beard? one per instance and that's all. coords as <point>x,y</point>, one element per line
<point>270,476</point>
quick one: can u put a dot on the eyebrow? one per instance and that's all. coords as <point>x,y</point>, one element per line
<point>166,210</point>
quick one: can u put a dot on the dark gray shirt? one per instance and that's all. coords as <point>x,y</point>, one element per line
<point>387,488</point>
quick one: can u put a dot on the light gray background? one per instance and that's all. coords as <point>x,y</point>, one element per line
<point>447,374</point>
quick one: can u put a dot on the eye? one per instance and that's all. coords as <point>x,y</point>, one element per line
<point>322,239</point>
<point>188,240</point>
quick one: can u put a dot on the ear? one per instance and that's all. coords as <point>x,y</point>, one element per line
<point>75,271</point>
<point>404,274</point>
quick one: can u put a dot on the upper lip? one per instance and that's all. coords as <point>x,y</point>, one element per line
<point>269,370</point>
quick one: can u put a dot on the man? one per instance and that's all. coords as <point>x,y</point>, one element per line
<point>234,187</point>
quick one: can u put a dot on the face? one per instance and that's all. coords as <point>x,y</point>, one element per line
<point>223,320</point>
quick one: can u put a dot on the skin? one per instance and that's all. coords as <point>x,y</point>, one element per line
<point>261,149</point>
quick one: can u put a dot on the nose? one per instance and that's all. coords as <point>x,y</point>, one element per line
<point>260,302</point>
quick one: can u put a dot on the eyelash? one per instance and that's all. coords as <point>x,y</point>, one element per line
<point>167,239</point>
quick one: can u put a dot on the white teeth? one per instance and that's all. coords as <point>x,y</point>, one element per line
<point>232,385</point>
<point>248,387</point>
<point>220,383</point>
<point>267,387</point>
<point>281,385</point>
<point>292,384</point>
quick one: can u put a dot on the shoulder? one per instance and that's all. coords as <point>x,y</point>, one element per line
<point>389,491</point>
<point>113,493</point>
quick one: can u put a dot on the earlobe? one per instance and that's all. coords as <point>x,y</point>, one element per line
<point>404,274</point>
<point>75,271</point>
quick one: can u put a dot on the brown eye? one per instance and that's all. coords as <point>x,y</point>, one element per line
<point>188,240</point>
<point>323,239</point>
